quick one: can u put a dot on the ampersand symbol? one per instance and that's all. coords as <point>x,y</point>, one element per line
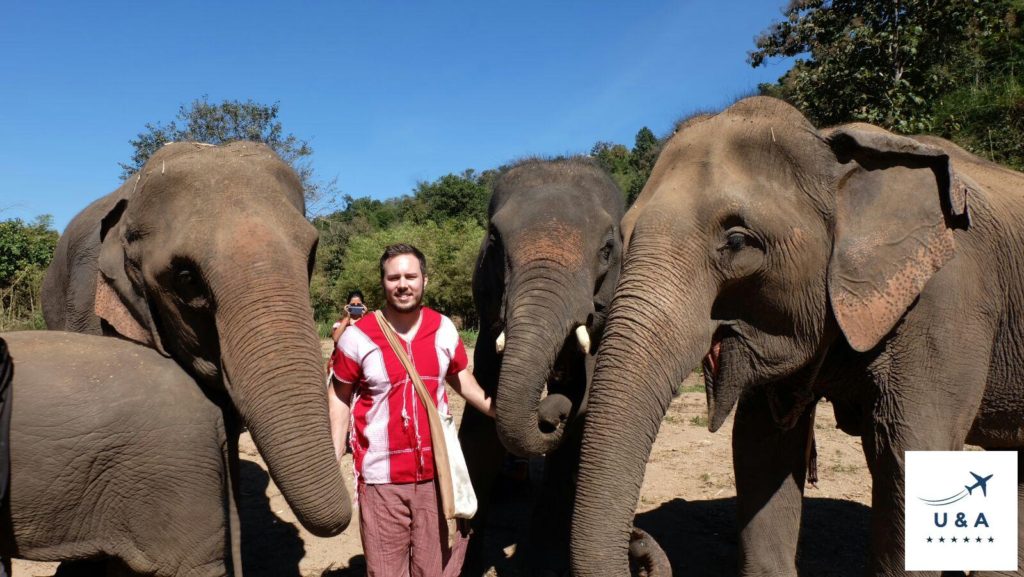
<point>961,520</point>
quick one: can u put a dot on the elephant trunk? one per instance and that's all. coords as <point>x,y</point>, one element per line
<point>272,368</point>
<point>646,552</point>
<point>653,336</point>
<point>540,321</point>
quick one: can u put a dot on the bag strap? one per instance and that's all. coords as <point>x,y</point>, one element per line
<point>442,470</point>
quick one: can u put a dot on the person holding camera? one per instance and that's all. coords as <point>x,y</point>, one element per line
<point>354,310</point>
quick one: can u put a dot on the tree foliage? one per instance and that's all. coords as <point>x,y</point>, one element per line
<point>227,121</point>
<point>629,168</point>
<point>941,66</point>
<point>450,247</point>
<point>448,210</point>
<point>26,249</point>
<point>456,196</point>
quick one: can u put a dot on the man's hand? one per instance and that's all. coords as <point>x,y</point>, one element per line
<point>466,385</point>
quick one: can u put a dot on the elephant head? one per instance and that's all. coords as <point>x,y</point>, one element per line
<point>544,278</point>
<point>757,243</point>
<point>206,255</point>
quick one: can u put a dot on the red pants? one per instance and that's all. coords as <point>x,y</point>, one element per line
<point>403,534</point>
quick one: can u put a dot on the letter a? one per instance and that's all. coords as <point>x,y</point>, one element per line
<point>981,520</point>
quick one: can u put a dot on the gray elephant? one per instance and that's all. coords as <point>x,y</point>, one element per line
<point>205,255</point>
<point>116,454</point>
<point>543,280</point>
<point>879,271</point>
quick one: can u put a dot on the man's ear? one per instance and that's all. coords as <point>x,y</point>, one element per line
<point>120,303</point>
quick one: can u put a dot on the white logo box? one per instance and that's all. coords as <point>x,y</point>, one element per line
<point>973,496</point>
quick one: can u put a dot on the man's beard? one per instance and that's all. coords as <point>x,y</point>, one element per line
<point>407,307</point>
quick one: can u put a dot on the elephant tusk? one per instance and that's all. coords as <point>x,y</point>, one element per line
<point>584,339</point>
<point>499,345</point>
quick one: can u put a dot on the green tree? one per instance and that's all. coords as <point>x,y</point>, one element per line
<point>26,249</point>
<point>886,62</point>
<point>230,120</point>
<point>630,169</point>
<point>646,148</point>
<point>450,247</point>
<point>455,196</point>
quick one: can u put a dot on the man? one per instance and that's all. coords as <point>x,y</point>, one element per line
<point>391,445</point>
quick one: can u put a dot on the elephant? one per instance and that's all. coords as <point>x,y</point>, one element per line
<point>880,272</point>
<point>205,255</point>
<point>116,456</point>
<point>543,279</point>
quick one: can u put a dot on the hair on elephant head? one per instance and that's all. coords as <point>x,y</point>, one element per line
<point>205,254</point>
<point>544,278</point>
<point>757,242</point>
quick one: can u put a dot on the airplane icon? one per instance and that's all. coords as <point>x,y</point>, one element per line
<point>981,482</point>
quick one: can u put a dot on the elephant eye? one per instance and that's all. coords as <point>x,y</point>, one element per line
<point>737,238</point>
<point>185,278</point>
<point>606,251</point>
<point>735,241</point>
<point>188,284</point>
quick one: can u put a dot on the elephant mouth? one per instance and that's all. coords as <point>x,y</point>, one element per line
<point>720,400</point>
<point>711,362</point>
<point>564,390</point>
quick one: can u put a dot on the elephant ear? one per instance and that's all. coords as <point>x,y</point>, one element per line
<point>605,289</point>
<point>121,303</point>
<point>489,281</point>
<point>897,203</point>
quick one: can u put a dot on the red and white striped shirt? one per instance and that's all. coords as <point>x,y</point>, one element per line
<point>390,432</point>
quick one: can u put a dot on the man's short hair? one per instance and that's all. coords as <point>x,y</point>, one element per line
<point>398,249</point>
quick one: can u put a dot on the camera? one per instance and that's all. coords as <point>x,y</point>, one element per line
<point>356,310</point>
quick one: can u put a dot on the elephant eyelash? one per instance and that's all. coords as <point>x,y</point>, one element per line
<point>736,238</point>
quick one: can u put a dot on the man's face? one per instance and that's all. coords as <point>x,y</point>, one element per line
<point>403,283</point>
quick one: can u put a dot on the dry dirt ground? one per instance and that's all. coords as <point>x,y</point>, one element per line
<point>687,504</point>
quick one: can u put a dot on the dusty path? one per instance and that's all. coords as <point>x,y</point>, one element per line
<point>687,504</point>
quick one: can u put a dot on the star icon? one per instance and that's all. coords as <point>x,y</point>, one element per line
<point>978,540</point>
<point>953,540</point>
<point>929,539</point>
<point>967,539</point>
<point>991,539</point>
<point>942,539</point>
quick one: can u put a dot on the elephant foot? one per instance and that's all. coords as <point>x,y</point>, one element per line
<point>647,555</point>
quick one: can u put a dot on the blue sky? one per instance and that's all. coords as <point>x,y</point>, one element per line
<point>387,94</point>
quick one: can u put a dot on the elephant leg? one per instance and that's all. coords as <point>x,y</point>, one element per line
<point>552,513</point>
<point>233,478</point>
<point>484,456</point>
<point>884,449</point>
<point>770,467</point>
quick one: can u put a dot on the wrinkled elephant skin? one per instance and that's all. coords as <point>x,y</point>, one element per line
<point>115,454</point>
<point>205,255</point>
<point>544,277</point>
<point>881,272</point>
